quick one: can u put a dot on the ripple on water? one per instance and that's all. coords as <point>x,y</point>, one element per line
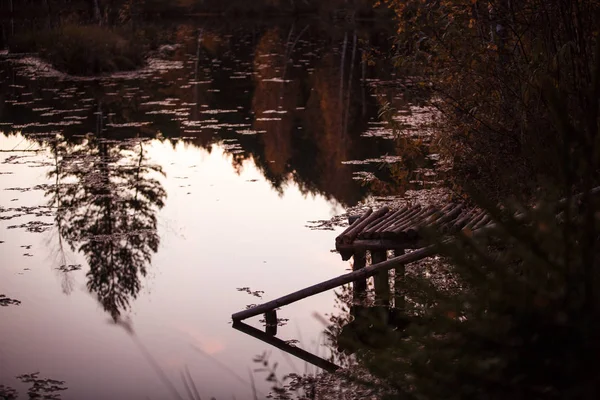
<point>383,133</point>
<point>164,103</point>
<point>200,123</point>
<point>43,125</point>
<point>129,124</point>
<point>277,80</point>
<point>52,113</point>
<point>180,112</point>
<point>386,159</point>
<point>363,176</point>
<point>217,111</point>
<point>35,67</point>
<point>249,132</point>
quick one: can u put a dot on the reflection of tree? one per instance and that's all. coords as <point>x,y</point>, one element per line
<point>332,122</point>
<point>275,99</point>
<point>321,113</point>
<point>106,197</point>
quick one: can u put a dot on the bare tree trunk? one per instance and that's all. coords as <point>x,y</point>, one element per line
<point>48,15</point>
<point>12,20</point>
<point>97,14</point>
<point>196,85</point>
<point>342,65</point>
<point>286,61</point>
<point>99,120</point>
<point>348,97</point>
<point>3,38</point>
<point>363,64</point>
<point>498,31</point>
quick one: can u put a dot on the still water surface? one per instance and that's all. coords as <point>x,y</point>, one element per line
<point>139,211</point>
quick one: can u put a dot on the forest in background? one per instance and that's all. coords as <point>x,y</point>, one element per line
<point>106,8</point>
<point>98,36</point>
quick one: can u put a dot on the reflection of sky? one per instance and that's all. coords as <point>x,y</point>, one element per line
<point>219,230</point>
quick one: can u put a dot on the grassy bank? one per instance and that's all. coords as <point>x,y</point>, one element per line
<point>85,49</point>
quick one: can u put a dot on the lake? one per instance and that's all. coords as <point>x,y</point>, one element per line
<point>138,211</point>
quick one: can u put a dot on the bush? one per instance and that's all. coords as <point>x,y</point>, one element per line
<point>487,64</point>
<point>83,49</point>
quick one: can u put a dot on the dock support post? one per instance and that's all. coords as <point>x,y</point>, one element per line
<point>359,262</point>
<point>399,272</point>
<point>271,322</point>
<point>381,279</point>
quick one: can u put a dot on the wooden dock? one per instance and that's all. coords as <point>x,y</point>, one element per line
<point>380,233</point>
<point>377,232</point>
<point>389,229</point>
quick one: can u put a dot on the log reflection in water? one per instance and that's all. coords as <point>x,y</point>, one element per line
<point>282,345</point>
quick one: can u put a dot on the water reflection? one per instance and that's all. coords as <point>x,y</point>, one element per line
<point>264,123</point>
<point>106,196</point>
<point>285,346</point>
<point>7,301</point>
<point>41,388</point>
<point>293,99</point>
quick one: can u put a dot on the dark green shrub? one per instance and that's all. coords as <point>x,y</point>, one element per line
<point>83,49</point>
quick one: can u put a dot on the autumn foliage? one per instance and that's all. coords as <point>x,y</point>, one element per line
<point>487,64</point>
<point>512,313</point>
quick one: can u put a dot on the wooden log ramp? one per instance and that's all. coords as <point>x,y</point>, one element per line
<point>359,274</point>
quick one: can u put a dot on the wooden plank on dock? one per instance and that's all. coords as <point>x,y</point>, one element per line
<point>381,279</point>
<point>387,229</point>
<point>358,226</point>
